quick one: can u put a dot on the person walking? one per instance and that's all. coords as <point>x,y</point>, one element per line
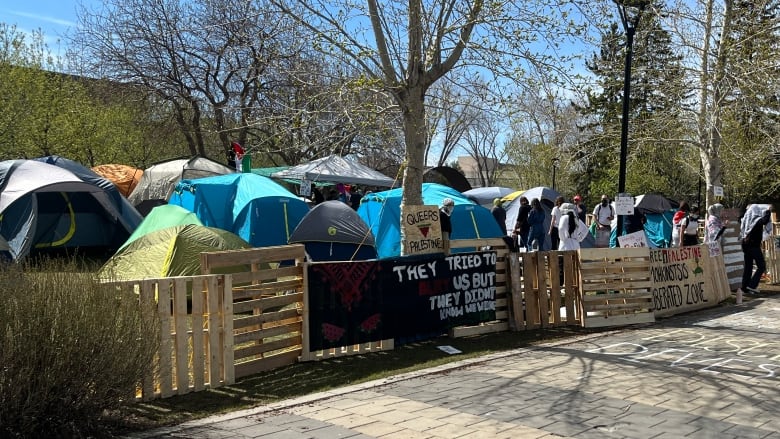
<point>447,206</point>
<point>754,226</point>
<point>571,230</point>
<point>535,240</point>
<point>555,218</point>
<point>499,213</point>
<point>603,214</point>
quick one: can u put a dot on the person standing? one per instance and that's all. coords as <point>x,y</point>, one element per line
<point>355,197</point>
<point>580,209</point>
<point>754,226</point>
<point>535,240</point>
<point>714,226</point>
<point>521,225</point>
<point>499,213</point>
<point>681,213</point>
<point>555,218</point>
<point>603,214</point>
<point>445,212</point>
<point>571,230</point>
<point>689,228</point>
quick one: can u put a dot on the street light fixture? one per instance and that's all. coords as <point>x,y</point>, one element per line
<point>630,12</point>
<point>554,167</point>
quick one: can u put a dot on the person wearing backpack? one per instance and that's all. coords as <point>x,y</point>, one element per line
<point>689,228</point>
<point>603,214</point>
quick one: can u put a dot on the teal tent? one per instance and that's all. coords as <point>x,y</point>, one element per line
<point>382,212</point>
<point>253,207</point>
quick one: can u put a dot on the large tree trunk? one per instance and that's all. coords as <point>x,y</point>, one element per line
<point>414,135</point>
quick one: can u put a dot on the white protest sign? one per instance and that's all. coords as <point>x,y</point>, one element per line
<point>305,189</point>
<point>624,205</point>
<point>636,239</point>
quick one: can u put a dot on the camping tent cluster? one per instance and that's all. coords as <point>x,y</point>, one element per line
<point>195,204</point>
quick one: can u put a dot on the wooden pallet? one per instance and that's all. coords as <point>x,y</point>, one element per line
<point>616,287</point>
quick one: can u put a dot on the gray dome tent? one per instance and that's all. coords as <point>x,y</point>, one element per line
<point>52,204</point>
<point>332,231</point>
<point>159,180</point>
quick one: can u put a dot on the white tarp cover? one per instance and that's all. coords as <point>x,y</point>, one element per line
<point>159,180</point>
<point>336,169</point>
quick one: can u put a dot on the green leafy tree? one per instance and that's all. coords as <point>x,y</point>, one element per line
<point>47,112</point>
<point>660,153</point>
<point>751,107</point>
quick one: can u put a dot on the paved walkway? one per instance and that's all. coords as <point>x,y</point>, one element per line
<point>711,374</point>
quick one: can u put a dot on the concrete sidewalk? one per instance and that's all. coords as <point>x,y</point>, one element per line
<point>709,374</point>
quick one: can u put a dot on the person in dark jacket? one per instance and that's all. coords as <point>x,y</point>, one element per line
<point>752,232</point>
<point>499,213</point>
<point>521,225</point>
<point>536,232</point>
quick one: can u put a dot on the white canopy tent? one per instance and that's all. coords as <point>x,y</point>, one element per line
<point>336,169</point>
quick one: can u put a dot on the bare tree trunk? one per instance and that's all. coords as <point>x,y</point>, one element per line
<point>414,136</point>
<point>710,121</point>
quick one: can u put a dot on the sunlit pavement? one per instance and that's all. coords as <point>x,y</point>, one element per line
<point>709,374</point>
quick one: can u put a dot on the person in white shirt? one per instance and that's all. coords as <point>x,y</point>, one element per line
<point>603,214</point>
<point>555,218</point>
<point>571,230</point>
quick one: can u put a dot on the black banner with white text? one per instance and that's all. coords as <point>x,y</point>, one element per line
<point>359,302</point>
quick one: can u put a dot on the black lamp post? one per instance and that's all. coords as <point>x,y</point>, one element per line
<point>630,12</point>
<point>554,167</point>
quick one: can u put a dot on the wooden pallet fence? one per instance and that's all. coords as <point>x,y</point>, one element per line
<point>717,279</point>
<point>545,289</point>
<point>503,308</point>
<point>733,258</point>
<point>193,326</point>
<point>616,286</point>
<point>772,254</point>
<point>267,305</point>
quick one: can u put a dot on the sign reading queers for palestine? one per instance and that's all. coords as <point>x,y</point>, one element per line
<point>418,296</point>
<point>422,231</point>
<point>679,281</point>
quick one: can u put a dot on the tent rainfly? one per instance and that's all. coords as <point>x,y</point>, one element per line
<point>336,169</point>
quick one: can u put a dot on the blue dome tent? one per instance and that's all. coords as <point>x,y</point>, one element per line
<point>253,207</point>
<point>382,212</point>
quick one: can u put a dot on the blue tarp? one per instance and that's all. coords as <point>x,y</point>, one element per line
<point>253,207</point>
<point>382,212</point>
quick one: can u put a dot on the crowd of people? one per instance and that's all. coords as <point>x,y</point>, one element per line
<point>349,194</point>
<point>567,227</point>
<point>565,231</point>
<point>529,233</point>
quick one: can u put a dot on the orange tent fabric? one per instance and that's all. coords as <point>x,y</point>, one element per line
<point>123,176</point>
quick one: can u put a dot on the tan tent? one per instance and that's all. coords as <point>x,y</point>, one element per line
<point>124,177</point>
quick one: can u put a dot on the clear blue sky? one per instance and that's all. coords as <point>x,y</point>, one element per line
<point>53,17</point>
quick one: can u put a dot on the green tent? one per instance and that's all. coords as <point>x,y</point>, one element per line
<point>161,217</point>
<point>173,251</point>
